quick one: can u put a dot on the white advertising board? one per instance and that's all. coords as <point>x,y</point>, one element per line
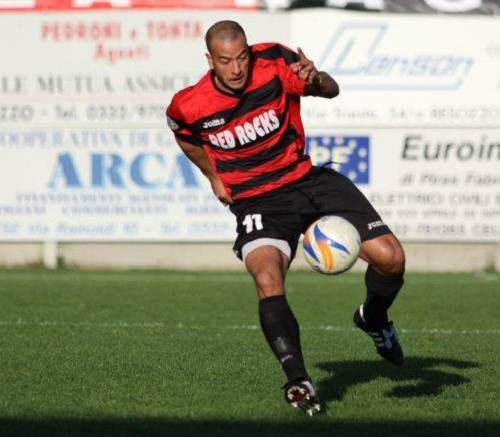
<point>83,184</point>
<point>427,184</point>
<point>110,69</point>
<point>86,154</point>
<point>403,70</point>
<point>420,100</point>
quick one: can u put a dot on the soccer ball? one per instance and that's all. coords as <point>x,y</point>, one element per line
<point>331,245</point>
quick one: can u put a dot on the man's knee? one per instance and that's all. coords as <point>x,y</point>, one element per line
<point>392,259</point>
<point>386,254</point>
<point>269,283</point>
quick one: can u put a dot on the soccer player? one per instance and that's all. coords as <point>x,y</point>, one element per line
<point>241,125</point>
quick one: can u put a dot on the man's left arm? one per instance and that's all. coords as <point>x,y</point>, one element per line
<point>318,83</point>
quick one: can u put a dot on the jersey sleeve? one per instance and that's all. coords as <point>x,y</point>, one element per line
<point>291,82</point>
<point>177,123</point>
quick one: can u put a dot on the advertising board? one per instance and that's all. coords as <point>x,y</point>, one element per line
<point>87,156</point>
<point>427,184</point>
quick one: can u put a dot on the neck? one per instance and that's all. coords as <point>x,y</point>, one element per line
<point>221,86</point>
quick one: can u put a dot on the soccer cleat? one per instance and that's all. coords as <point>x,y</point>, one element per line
<point>301,394</point>
<point>386,339</point>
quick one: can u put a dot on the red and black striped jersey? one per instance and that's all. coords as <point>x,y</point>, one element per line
<point>254,139</point>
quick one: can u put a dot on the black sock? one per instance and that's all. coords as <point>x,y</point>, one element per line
<point>281,330</point>
<point>381,290</point>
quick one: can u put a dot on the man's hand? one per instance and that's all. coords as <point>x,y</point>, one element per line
<point>304,68</point>
<point>319,83</point>
<point>199,157</point>
<point>220,191</point>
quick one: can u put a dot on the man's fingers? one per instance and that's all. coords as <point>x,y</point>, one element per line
<point>302,56</point>
<point>304,68</point>
<point>307,68</point>
<point>297,67</point>
<point>306,71</point>
<point>303,75</point>
<point>304,61</point>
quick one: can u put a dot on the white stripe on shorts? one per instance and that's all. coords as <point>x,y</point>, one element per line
<point>252,245</point>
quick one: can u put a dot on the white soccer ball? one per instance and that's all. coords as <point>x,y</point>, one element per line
<point>331,245</point>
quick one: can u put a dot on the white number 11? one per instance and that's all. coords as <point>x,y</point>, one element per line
<point>252,220</point>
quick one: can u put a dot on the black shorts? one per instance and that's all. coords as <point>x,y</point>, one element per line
<point>286,213</point>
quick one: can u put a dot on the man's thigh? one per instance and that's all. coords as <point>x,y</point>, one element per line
<point>335,194</point>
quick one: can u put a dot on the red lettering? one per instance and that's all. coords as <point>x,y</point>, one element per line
<point>81,31</point>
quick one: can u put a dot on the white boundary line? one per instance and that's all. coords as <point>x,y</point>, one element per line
<point>236,276</point>
<point>181,326</point>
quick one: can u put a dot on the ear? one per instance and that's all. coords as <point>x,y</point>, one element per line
<point>209,60</point>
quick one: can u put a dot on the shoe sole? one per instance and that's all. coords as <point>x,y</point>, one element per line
<point>312,409</point>
<point>310,405</point>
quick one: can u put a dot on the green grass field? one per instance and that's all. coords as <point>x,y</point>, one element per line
<point>181,354</point>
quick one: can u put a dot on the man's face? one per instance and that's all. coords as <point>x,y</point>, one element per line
<point>230,61</point>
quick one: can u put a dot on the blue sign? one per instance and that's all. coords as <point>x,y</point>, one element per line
<point>349,155</point>
<point>112,170</point>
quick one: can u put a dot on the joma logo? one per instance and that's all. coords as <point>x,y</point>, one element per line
<point>213,123</point>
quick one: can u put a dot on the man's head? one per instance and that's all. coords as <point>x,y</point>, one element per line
<point>228,55</point>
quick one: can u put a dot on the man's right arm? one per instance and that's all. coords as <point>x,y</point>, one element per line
<point>199,157</point>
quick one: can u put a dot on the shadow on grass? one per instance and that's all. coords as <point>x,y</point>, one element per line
<point>305,427</point>
<point>417,377</point>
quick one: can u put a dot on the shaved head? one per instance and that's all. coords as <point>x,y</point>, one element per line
<point>226,31</point>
